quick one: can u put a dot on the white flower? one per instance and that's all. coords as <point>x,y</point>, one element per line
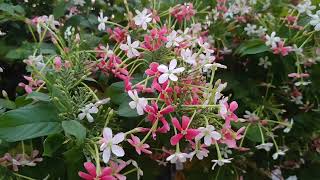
<point>315,21</point>
<point>264,62</point>
<point>206,47</point>
<point>200,153</point>
<point>110,144</point>
<point>2,33</point>
<point>220,162</point>
<point>87,111</point>
<point>288,128</point>
<point>251,116</point>
<point>188,56</point>
<point>250,29</point>
<point>52,23</point>
<point>1,70</point>
<point>207,58</point>
<point>297,99</point>
<point>279,153</point>
<point>178,157</point>
<point>173,39</point>
<point>102,21</point>
<point>79,2</point>
<point>137,103</point>
<point>139,170</point>
<point>130,48</point>
<point>68,32</point>
<point>305,7</point>
<point>37,61</point>
<point>265,146</point>
<point>142,18</point>
<point>169,72</point>
<point>261,31</point>
<point>272,40</point>
<point>218,94</point>
<point>209,134</point>
<point>106,50</point>
<point>297,50</point>
<point>225,151</point>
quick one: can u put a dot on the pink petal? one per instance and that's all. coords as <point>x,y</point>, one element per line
<point>106,171</point>
<point>90,168</point>
<point>175,139</point>
<point>176,124</point>
<point>191,134</point>
<point>85,176</point>
<point>233,106</point>
<point>185,122</point>
<point>167,110</point>
<point>108,178</point>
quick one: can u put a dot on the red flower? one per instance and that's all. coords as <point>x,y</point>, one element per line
<point>106,173</point>
<point>281,49</point>
<point>189,134</point>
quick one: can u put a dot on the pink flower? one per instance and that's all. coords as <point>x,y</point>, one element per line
<point>117,34</point>
<point>186,132</point>
<point>92,174</point>
<point>156,39</point>
<point>33,84</point>
<point>154,114</point>
<point>57,63</point>
<point>281,49</point>
<point>183,12</point>
<point>116,168</point>
<point>227,112</point>
<point>136,143</point>
<point>229,137</point>
<point>153,69</point>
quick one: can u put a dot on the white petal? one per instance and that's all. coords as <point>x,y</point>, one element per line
<point>118,138</point>
<point>207,140</point>
<point>131,95</point>
<point>140,110</point>
<point>117,150</point>
<point>106,155</point>
<point>94,109</point>
<point>132,104</point>
<point>163,78</point>
<point>90,118</point>
<point>173,77</point>
<point>173,64</point>
<point>107,133</point>
<point>178,70</point>
<point>162,68</point>
<point>215,135</point>
<point>124,47</point>
<point>81,116</point>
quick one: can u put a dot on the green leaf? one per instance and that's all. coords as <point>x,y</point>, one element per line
<point>74,160</point>
<point>125,110</point>
<point>6,103</point>
<point>29,122</point>
<point>75,128</point>
<point>253,133</point>
<point>52,144</point>
<point>253,46</point>
<point>38,96</point>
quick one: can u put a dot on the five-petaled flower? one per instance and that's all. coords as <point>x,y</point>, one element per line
<point>184,130</point>
<point>102,22</point>
<point>142,18</point>
<point>136,143</point>
<point>169,72</point>
<point>92,174</point>
<point>137,103</point>
<point>130,48</point>
<point>110,144</point>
